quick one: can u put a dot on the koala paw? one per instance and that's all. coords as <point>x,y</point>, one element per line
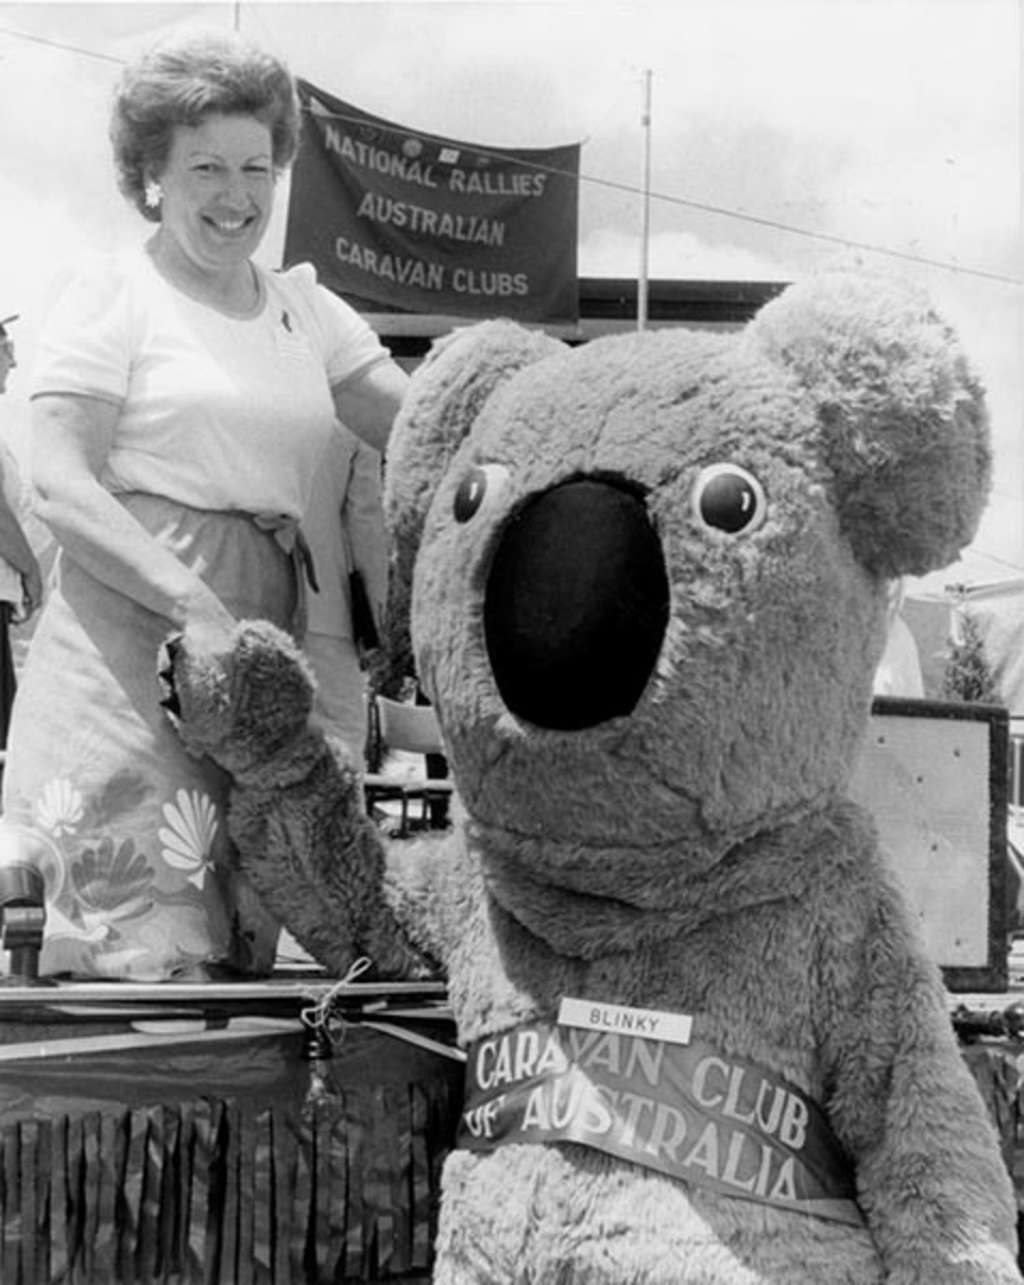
<point>235,696</point>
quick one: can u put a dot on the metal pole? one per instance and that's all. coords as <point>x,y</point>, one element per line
<point>641,292</point>
<point>238,15</point>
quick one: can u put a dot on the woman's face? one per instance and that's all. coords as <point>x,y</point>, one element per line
<point>218,189</point>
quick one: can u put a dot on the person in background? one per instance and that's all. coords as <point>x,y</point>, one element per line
<point>21,582</point>
<point>183,399</point>
<point>344,525</point>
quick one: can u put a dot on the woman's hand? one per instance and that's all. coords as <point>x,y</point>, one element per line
<point>31,594</point>
<point>209,626</point>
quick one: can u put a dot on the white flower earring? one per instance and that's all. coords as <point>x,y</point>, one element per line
<point>154,193</point>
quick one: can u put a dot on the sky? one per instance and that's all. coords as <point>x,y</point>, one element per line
<point>781,131</point>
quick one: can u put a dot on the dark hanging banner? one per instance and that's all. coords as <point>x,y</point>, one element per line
<point>418,223</point>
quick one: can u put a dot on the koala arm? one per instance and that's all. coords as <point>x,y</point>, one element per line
<point>296,813</point>
<point>424,891</point>
<point>930,1179</point>
<point>321,865</point>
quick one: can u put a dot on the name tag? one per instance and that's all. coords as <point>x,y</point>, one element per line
<point>652,1024</point>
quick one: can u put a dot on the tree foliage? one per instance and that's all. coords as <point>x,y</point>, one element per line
<point>968,676</point>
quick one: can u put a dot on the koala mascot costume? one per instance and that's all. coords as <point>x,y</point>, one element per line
<point>704,1042</point>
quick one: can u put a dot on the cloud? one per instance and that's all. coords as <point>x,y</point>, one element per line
<point>615,252</point>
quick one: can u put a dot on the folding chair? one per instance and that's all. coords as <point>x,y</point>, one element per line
<point>406,729</point>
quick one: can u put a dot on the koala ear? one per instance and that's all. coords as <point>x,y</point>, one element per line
<point>444,398</point>
<point>901,417</point>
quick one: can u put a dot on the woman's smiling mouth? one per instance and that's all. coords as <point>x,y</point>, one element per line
<point>229,227</point>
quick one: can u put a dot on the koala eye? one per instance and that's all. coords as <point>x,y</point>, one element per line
<point>481,485</point>
<point>729,499</point>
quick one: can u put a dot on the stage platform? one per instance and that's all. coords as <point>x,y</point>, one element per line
<point>211,1133</point>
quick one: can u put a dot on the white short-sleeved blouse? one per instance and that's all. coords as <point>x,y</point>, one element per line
<point>216,412</point>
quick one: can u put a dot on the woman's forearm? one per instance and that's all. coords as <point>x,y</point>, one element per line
<point>72,440</point>
<point>99,533</point>
<point>368,404</point>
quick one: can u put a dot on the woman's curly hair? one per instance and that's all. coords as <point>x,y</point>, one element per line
<point>181,81</point>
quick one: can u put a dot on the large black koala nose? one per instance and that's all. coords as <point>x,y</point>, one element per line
<point>576,605</point>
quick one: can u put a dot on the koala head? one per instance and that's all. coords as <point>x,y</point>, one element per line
<point>648,575</point>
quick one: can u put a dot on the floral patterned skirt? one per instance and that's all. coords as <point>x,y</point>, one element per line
<point>140,877</point>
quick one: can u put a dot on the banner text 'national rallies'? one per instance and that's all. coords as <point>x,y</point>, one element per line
<point>419,223</point>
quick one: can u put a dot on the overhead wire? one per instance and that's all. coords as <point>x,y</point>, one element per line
<point>992,557</point>
<point>57,44</point>
<point>776,224</point>
<point>630,189</point>
<point>705,207</point>
<point>686,202</point>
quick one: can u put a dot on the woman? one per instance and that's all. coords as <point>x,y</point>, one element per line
<point>182,400</point>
